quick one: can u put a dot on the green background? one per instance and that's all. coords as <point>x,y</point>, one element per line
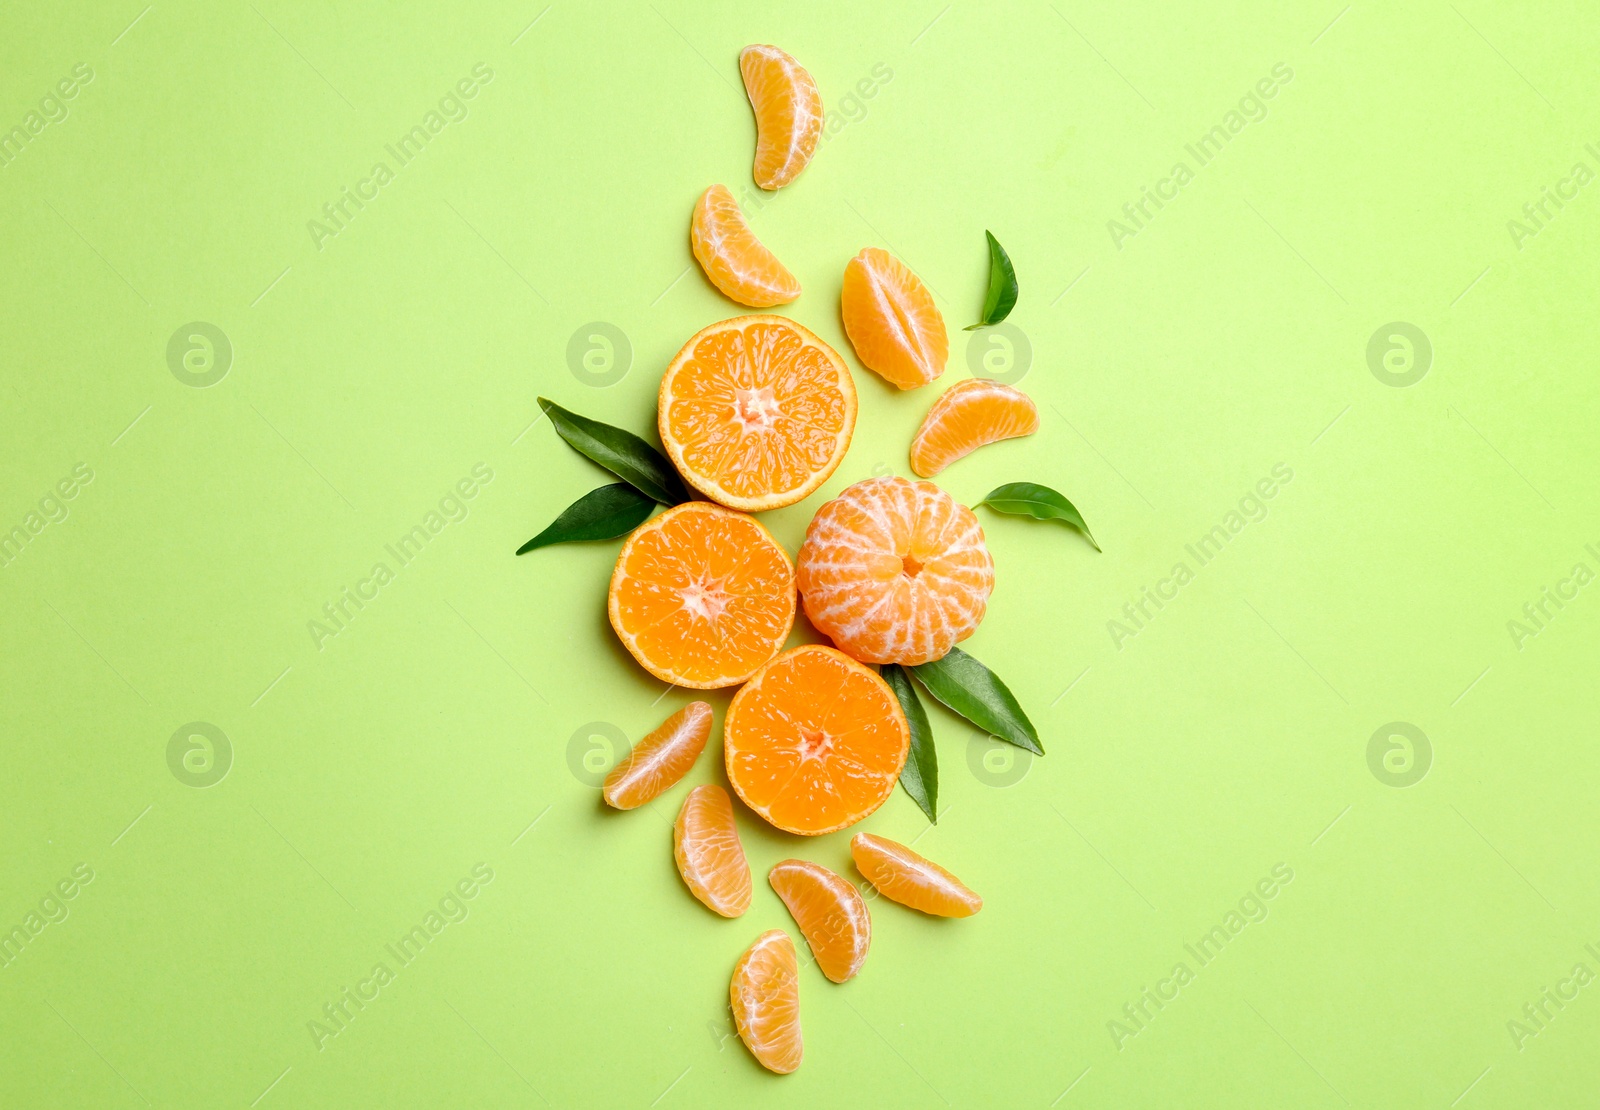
<point>447,725</point>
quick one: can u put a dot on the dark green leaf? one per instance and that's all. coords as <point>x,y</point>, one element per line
<point>976,693</point>
<point>1039,502</point>
<point>1002,295</point>
<point>920,776</point>
<point>621,452</point>
<point>600,514</point>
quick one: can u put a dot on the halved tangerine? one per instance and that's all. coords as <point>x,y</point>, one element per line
<point>896,329</point>
<point>894,571</point>
<point>967,416</point>
<point>658,761</point>
<point>705,842</point>
<point>732,257</point>
<point>912,880</point>
<point>814,741</point>
<point>830,912</point>
<point>788,111</point>
<point>702,596</point>
<point>756,412</point>
<point>765,998</point>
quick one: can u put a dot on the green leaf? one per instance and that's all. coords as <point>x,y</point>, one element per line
<point>1002,295</point>
<point>1039,502</point>
<point>976,693</point>
<point>920,776</point>
<point>621,452</point>
<point>600,514</point>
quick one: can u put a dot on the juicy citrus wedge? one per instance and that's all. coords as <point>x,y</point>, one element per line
<point>905,877</point>
<point>814,741</point>
<point>967,416</point>
<point>733,258</point>
<point>830,912</point>
<point>765,998</point>
<point>788,113</point>
<point>710,857</point>
<point>658,761</point>
<point>894,571</point>
<point>702,596</point>
<point>891,320</point>
<point>756,412</point>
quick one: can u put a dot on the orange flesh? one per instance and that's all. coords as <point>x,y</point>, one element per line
<point>896,329</point>
<point>895,571</point>
<point>830,912</point>
<point>788,111</point>
<point>710,858</point>
<point>814,741</point>
<point>733,258</point>
<point>702,596</point>
<point>658,761</point>
<point>905,877</point>
<point>765,998</point>
<point>756,412</point>
<point>969,415</point>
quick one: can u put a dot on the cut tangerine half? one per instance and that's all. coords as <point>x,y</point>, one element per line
<point>788,111</point>
<point>894,571</point>
<point>702,596</point>
<point>902,875</point>
<point>710,858</point>
<point>756,412</point>
<point>732,257</point>
<point>657,762</point>
<point>967,416</point>
<point>893,324</point>
<point>830,912</point>
<point>765,998</point>
<point>814,741</point>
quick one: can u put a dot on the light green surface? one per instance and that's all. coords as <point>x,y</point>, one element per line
<point>373,771</point>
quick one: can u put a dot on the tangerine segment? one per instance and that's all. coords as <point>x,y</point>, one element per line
<point>902,875</point>
<point>967,416</point>
<point>814,741</point>
<point>765,998</point>
<point>830,912</point>
<point>658,761</point>
<point>756,412</point>
<point>788,111</point>
<point>733,258</point>
<point>895,571</point>
<point>702,596</point>
<point>891,320</point>
<point>710,858</point>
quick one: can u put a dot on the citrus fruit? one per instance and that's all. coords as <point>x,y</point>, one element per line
<point>902,875</point>
<point>830,912</point>
<point>756,412</point>
<point>710,857</point>
<point>965,417</point>
<point>788,113</point>
<point>658,761</point>
<point>733,258</point>
<point>814,741</point>
<point>765,998</point>
<point>891,320</point>
<point>702,596</point>
<point>895,571</point>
